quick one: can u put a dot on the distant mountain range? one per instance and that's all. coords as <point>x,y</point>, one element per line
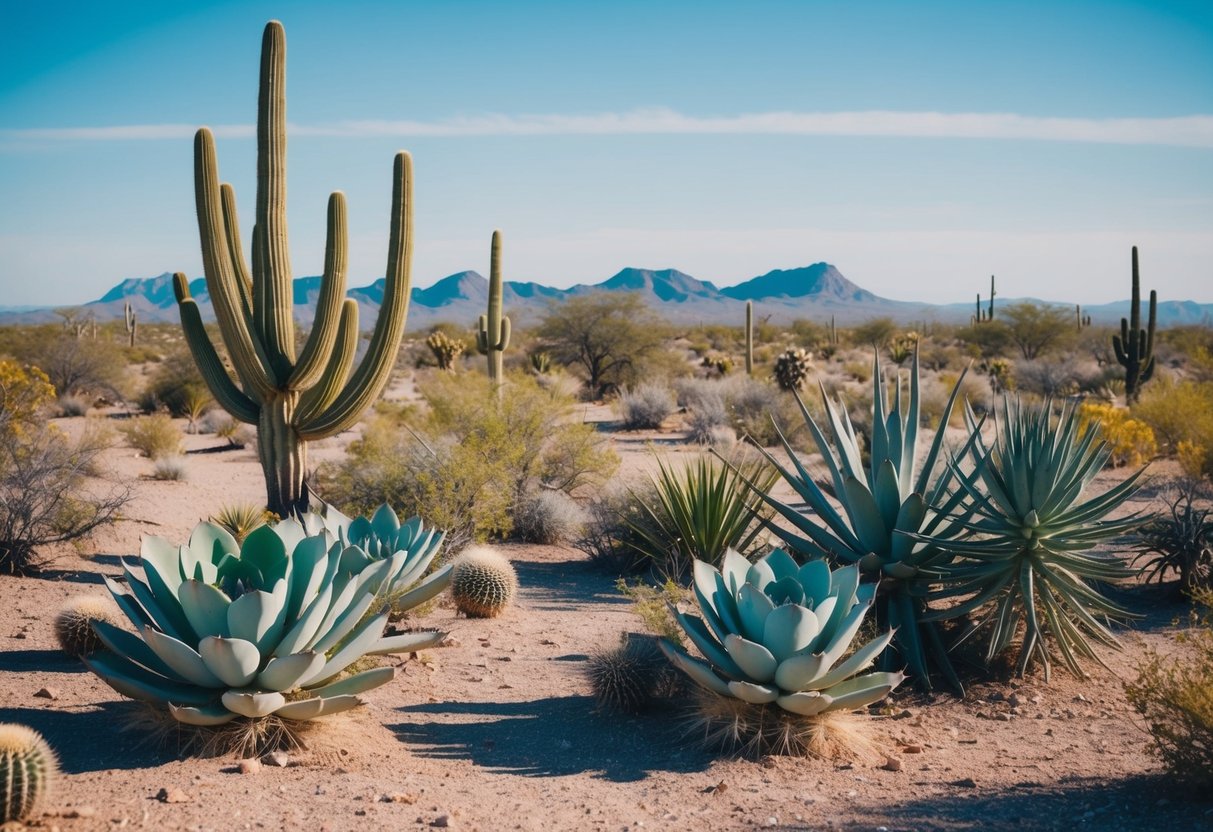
<point>817,292</point>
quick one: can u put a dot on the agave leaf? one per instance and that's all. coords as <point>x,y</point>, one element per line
<point>865,516</point>
<point>752,693</point>
<point>309,563</point>
<point>344,623</point>
<point>205,607</point>
<point>265,551</point>
<point>816,578</point>
<point>753,607</point>
<point>734,568</point>
<point>204,538</point>
<point>789,629</point>
<point>698,632</point>
<point>206,716</point>
<point>128,645</point>
<point>233,660</point>
<point>259,616</point>
<point>782,564</point>
<point>164,609</point>
<point>326,706</point>
<point>796,673</point>
<point>805,703</point>
<point>136,682</point>
<point>384,522</point>
<point>127,602</point>
<point>183,659</point>
<point>358,683</point>
<point>253,704</point>
<point>284,672</point>
<point>887,494</point>
<point>861,659</point>
<point>161,565</point>
<point>755,660</point>
<point>304,629</point>
<point>355,646</point>
<point>862,690</point>
<point>424,591</point>
<point>406,642</point>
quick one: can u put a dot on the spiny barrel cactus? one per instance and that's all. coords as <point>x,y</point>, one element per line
<point>483,582</point>
<point>632,677</point>
<point>74,623</point>
<point>774,632</point>
<point>27,771</point>
<point>493,329</point>
<point>792,369</point>
<point>291,398</point>
<point>446,350</point>
<point>266,627</point>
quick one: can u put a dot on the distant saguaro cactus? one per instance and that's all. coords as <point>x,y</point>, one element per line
<point>1135,346</point>
<point>990,316</point>
<point>749,337</point>
<point>132,323</point>
<point>291,399</point>
<point>493,330</point>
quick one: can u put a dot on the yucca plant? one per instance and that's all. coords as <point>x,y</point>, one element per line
<point>774,634</point>
<point>1028,562</point>
<point>701,511</point>
<point>883,503</point>
<point>1182,543</point>
<point>266,628</point>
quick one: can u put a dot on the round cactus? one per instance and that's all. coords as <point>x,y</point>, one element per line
<point>482,582</point>
<point>632,677</point>
<point>27,767</point>
<point>74,623</point>
<point>792,369</point>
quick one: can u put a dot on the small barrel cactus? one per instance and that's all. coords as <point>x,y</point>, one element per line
<point>792,369</point>
<point>27,769</point>
<point>74,623</point>
<point>483,582</point>
<point>632,677</point>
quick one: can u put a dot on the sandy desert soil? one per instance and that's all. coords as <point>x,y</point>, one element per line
<point>498,731</point>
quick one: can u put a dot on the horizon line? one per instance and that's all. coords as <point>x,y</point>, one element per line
<point>1194,131</point>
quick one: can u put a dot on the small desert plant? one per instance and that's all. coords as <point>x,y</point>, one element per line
<point>1181,414</point>
<point>154,436</point>
<point>541,362</point>
<point>483,582</point>
<point>446,350</point>
<point>609,536</point>
<point>656,606</point>
<point>27,772</point>
<point>773,636</point>
<point>548,516</point>
<point>701,511</point>
<point>170,468</point>
<point>240,519</point>
<point>74,623</point>
<point>72,406</point>
<point>792,369</point>
<point>1175,696</point>
<point>708,420</point>
<point>632,677</point>
<point>1130,441</point>
<point>645,406</point>
<point>197,401</point>
<point>1181,543</point>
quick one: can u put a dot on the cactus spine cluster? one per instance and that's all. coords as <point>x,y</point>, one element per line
<point>74,623</point>
<point>792,369</point>
<point>446,350</point>
<point>132,324</point>
<point>483,582</point>
<point>292,399</point>
<point>493,330</point>
<point>1135,346</point>
<point>27,769</point>
<point>749,337</point>
<point>632,677</point>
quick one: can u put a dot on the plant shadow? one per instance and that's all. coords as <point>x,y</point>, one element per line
<point>94,739</point>
<point>551,737</point>
<point>564,585</point>
<point>39,661</point>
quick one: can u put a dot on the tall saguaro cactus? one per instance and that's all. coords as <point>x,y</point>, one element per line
<point>1135,346</point>
<point>292,399</point>
<point>749,337</point>
<point>132,322</point>
<point>493,330</point>
<point>990,316</point>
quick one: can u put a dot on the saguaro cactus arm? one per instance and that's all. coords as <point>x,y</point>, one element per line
<point>316,399</point>
<point>231,227</point>
<point>376,366</point>
<point>213,372</point>
<point>332,297</point>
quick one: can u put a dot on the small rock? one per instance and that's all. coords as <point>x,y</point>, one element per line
<point>400,797</point>
<point>277,758</point>
<point>1014,701</point>
<point>360,812</point>
<point>964,783</point>
<point>892,764</point>
<point>250,766</point>
<point>911,749</point>
<point>450,641</point>
<point>442,821</point>
<point>80,812</point>
<point>48,693</point>
<point>19,635</point>
<point>772,821</point>
<point>173,795</point>
<point>1002,717</point>
<point>903,714</point>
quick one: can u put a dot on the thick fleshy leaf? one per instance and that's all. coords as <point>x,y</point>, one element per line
<point>406,642</point>
<point>753,606</point>
<point>799,672</point>
<point>752,693</point>
<point>354,559</point>
<point>355,647</point>
<point>161,564</point>
<point>205,716</point>
<point>206,608</point>
<point>128,603</point>
<point>786,590</point>
<point>304,629</point>
<point>385,523</point>
<point>265,551</point>
<point>707,644</point>
<point>258,616</point>
<point>754,659</point>
<point>320,706</point>
<point>183,659</point>
<point>346,622</point>
<point>131,647</point>
<point>760,575</point>
<point>424,591</point>
<point>164,609</point>
<point>136,682</point>
<point>734,567</point>
<point>857,661</point>
<point>203,540</point>
<point>862,690</point>
<point>308,564</point>
<point>699,671</point>
<point>283,673</point>
<point>815,577</point>
<point>358,683</point>
<point>292,533</point>
<point>253,704</point>
<point>806,703</point>
<point>233,660</point>
<point>782,564</point>
<point>789,629</point>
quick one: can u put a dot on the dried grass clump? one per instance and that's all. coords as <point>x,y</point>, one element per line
<point>548,517</point>
<point>170,468</point>
<point>645,406</point>
<point>154,436</point>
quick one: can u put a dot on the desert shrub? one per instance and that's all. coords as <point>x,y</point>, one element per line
<point>1181,416</point>
<point>646,406</point>
<point>609,536</point>
<point>987,340</point>
<point>154,436</point>
<point>576,456</point>
<point>861,371</point>
<point>72,406</point>
<point>237,434</point>
<point>241,518</point>
<point>758,409</point>
<point>1130,441</point>
<point>708,422</point>
<point>171,468</point>
<point>78,365</point>
<point>25,393</point>
<point>1175,696</point>
<point>875,332</point>
<point>652,606</point>
<point>1037,329</point>
<point>1048,378</point>
<point>1181,543</point>
<point>174,385</point>
<point>547,516</point>
<point>47,490</point>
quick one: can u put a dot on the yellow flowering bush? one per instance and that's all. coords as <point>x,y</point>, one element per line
<point>1131,441</point>
<point>24,391</point>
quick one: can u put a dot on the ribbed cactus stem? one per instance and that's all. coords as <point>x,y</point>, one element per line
<point>749,337</point>
<point>493,329</point>
<point>132,323</point>
<point>990,317</point>
<point>1134,346</point>
<point>291,401</point>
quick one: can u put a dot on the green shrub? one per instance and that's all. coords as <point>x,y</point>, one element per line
<point>1175,696</point>
<point>1181,414</point>
<point>154,436</point>
<point>175,385</point>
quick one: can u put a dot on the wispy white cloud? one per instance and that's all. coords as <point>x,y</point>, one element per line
<point>1184,131</point>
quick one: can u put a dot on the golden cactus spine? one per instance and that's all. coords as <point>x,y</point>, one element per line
<point>292,399</point>
<point>27,771</point>
<point>493,329</point>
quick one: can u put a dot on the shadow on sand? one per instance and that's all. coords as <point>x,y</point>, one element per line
<point>39,661</point>
<point>551,737</point>
<point>564,585</point>
<point>94,739</point>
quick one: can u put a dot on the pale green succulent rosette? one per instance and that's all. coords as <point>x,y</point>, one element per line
<point>776,632</point>
<point>267,627</point>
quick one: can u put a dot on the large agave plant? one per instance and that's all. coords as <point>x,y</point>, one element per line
<point>267,627</point>
<point>1029,561</point>
<point>366,541</point>
<point>883,503</point>
<point>775,632</point>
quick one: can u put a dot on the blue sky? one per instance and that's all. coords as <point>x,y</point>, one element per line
<point>920,147</point>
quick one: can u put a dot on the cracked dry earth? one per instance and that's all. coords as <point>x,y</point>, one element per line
<point>498,731</point>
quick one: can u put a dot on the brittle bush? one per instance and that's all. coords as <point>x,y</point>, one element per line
<point>1181,415</point>
<point>1131,441</point>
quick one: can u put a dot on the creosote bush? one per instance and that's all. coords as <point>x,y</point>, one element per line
<point>547,516</point>
<point>153,436</point>
<point>645,406</point>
